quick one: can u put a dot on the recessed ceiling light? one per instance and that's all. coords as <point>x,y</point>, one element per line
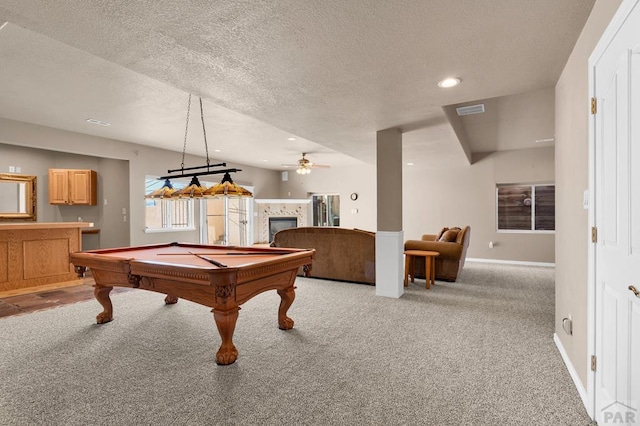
<point>291,139</point>
<point>217,150</point>
<point>98,122</point>
<point>449,82</point>
<point>410,164</point>
<point>265,160</point>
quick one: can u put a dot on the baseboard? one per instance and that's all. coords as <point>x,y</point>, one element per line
<point>573,373</point>
<point>511,262</point>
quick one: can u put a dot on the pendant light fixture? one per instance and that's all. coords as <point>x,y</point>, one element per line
<point>227,188</point>
<point>164,192</point>
<point>195,189</point>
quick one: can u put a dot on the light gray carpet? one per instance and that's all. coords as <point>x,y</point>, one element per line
<point>475,352</point>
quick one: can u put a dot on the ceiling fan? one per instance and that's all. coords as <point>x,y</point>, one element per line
<point>304,166</point>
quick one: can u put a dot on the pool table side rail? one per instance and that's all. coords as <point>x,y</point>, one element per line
<point>257,250</point>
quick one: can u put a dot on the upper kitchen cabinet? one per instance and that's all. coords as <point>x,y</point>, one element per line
<point>73,187</point>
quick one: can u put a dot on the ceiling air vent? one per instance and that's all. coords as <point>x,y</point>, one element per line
<point>471,109</point>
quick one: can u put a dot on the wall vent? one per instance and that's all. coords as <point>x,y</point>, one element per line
<point>471,109</point>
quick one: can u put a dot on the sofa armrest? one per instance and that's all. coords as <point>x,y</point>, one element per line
<point>446,250</point>
<point>429,237</point>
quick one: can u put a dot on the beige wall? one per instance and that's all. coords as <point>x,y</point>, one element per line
<point>94,152</point>
<point>113,175</point>
<point>465,195</point>
<point>467,190</point>
<point>389,180</point>
<point>443,197</point>
<point>572,153</point>
<point>342,181</point>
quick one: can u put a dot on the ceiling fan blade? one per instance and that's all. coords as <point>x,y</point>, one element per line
<point>305,163</point>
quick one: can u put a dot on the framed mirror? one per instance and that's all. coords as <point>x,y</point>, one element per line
<point>17,197</point>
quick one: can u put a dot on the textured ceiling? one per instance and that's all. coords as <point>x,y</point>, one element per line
<point>329,72</point>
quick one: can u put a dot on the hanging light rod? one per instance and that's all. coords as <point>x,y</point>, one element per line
<point>198,167</point>
<point>210,172</point>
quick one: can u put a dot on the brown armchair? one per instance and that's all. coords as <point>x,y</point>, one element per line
<point>451,244</point>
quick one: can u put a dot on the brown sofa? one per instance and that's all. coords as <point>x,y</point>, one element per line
<point>452,252</point>
<point>341,254</point>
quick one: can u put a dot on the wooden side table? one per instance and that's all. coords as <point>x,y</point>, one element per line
<point>429,266</point>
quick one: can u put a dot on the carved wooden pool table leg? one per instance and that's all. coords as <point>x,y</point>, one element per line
<point>226,323</point>
<point>102,296</point>
<point>170,299</point>
<point>287,296</point>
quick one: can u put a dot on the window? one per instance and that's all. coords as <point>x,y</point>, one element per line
<point>526,208</point>
<point>167,215</point>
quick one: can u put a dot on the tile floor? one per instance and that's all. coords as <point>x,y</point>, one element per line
<point>27,303</point>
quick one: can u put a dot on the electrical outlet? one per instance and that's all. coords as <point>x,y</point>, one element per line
<point>567,325</point>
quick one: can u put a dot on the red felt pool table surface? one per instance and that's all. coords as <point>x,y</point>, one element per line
<point>219,277</point>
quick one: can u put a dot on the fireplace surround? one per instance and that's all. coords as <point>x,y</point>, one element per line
<point>298,209</point>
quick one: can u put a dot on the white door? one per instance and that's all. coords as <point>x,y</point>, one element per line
<point>617,216</point>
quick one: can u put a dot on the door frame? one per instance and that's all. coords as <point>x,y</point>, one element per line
<point>614,26</point>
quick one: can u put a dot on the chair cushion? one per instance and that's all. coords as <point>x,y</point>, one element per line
<point>449,235</point>
<point>439,234</point>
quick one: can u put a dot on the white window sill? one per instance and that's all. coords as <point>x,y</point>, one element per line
<point>522,231</point>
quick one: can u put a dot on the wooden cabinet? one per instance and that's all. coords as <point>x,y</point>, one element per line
<point>37,254</point>
<point>73,187</point>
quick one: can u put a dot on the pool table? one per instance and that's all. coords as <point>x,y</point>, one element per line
<point>220,277</point>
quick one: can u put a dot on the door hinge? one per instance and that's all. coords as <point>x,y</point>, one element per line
<point>594,105</point>
<point>593,363</point>
<point>594,234</point>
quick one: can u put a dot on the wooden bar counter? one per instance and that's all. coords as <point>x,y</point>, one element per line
<point>35,255</point>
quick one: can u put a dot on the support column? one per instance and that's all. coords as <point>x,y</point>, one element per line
<point>389,235</point>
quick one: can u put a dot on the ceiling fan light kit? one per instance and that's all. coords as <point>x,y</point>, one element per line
<point>304,166</point>
<point>226,188</point>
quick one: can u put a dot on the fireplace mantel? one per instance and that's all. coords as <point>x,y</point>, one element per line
<point>282,201</point>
